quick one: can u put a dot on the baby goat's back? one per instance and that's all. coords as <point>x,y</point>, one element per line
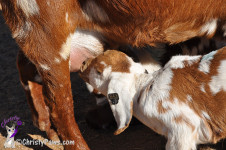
<point>200,82</point>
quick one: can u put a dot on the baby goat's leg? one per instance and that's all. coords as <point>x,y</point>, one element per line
<point>31,82</point>
<point>181,140</point>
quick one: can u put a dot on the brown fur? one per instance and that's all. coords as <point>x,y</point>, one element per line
<point>121,22</point>
<point>116,58</point>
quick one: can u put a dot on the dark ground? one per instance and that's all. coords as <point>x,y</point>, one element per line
<point>13,102</point>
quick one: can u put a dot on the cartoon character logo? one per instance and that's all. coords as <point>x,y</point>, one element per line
<point>11,132</point>
<point>9,143</point>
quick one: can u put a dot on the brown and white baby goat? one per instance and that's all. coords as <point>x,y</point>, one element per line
<point>184,101</point>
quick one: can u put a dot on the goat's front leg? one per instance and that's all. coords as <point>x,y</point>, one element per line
<point>58,97</point>
<point>32,85</point>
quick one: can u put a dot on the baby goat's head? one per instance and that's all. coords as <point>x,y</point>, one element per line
<point>113,74</point>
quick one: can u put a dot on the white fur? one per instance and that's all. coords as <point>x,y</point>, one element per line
<point>44,66</point>
<point>66,17</point>
<point>66,48</point>
<point>57,60</point>
<point>189,98</point>
<point>136,67</point>
<point>218,82</point>
<point>202,88</point>
<point>97,81</point>
<point>103,63</point>
<point>89,87</point>
<point>209,27</point>
<point>206,115</point>
<point>29,7</point>
<point>94,44</point>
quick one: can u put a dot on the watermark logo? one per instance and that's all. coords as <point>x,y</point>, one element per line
<point>11,131</point>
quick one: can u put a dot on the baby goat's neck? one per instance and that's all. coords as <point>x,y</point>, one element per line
<point>142,80</point>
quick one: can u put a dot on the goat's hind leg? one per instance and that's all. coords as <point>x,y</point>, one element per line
<point>31,82</point>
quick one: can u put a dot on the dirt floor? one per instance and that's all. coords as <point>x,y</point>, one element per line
<point>13,102</point>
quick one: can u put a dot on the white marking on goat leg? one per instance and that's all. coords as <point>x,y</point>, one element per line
<point>69,65</point>
<point>202,88</point>
<point>66,48</point>
<point>189,98</point>
<point>103,63</point>
<point>44,66</point>
<point>29,7</point>
<point>210,27</point>
<point>66,17</point>
<point>57,60</point>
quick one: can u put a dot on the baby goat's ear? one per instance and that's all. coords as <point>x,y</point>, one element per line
<point>120,93</point>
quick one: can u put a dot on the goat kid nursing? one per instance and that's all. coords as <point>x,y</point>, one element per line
<point>184,100</point>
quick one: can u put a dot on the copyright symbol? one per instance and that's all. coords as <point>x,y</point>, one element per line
<point>18,140</point>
